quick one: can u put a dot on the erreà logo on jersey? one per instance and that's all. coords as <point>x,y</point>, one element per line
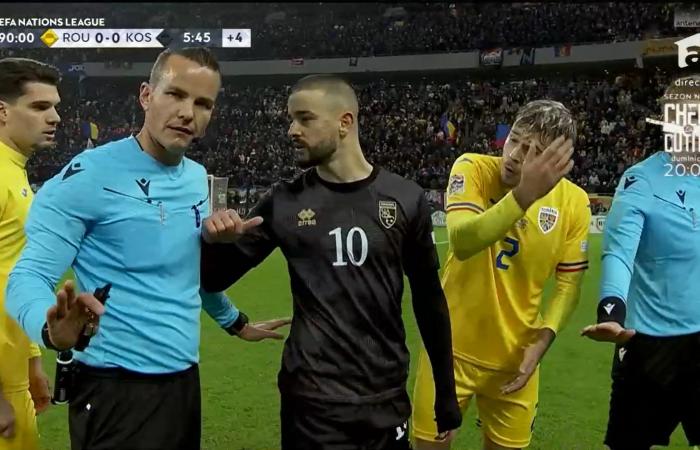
<point>387,213</point>
<point>307,217</point>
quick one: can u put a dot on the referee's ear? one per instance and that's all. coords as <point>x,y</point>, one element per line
<point>145,95</point>
<point>3,112</point>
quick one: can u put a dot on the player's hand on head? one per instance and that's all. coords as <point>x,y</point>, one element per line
<point>227,226</point>
<point>608,332</point>
<point>259,331</point>
<point>71,313</point>
<point>540,173</point>
<point>7,419</point>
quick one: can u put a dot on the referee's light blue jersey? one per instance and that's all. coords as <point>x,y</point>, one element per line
<point>651,247</point>
<point>116,215</point>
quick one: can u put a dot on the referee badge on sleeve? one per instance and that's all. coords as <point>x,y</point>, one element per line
<point>547,218</point>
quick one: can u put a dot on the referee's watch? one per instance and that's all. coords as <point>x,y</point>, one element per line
<point>46,338</point>
<point>237,326</point>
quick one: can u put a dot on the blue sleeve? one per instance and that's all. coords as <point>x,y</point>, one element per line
<point>61,213</point>
<point>217,304</point>
<point>623,229</point>
<point>219,308</point>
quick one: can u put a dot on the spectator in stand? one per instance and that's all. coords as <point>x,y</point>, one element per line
<point>247,141</point>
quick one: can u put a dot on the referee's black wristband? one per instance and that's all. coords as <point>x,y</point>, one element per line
<point>612,309</point>
<point>46,338</point>
<point>235,328</point>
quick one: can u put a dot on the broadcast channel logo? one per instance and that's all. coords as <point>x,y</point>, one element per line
<point>689,52</point>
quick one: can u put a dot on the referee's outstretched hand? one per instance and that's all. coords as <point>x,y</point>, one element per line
<point>258,331</point>
<point>227,226</point>
<point>608,332</point>
<point>70,314</point>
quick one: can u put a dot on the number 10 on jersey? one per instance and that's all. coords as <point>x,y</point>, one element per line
<point>349,248</point>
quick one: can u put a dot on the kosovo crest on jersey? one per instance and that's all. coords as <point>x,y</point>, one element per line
<point>547,218</point>
<point>387,213</point>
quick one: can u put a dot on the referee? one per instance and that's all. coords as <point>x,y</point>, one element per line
<point>649,295</point>
<point>129,213</point>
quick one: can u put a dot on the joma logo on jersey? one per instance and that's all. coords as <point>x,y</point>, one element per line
<point>547,218</point>
<point>307,217</point>
<point>387,213</point>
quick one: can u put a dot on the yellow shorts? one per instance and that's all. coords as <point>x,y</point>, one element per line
<point>506,420</point>
<point>26,434</point>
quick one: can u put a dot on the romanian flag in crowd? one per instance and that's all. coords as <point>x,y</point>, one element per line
<point>90,130</point>
<point>448,127</point>
<point>502,131</point>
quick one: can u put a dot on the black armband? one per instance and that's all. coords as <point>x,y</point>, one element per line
<point>46,338</point>
<point>612,309</point>
<point>235,328</point>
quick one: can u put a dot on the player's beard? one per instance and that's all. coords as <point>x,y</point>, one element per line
<point>318,155</point>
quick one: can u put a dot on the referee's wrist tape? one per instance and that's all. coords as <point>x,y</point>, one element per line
<point>612,309</point>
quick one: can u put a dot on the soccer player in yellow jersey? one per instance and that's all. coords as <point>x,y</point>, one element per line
<point>28,121</point>
<point>512,223</point>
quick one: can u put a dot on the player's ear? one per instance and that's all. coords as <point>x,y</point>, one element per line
<point>145,95</point>
<point>346,122</point>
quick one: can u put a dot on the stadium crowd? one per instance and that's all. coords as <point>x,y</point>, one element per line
<point>402,126</point>
<point>308,30</point>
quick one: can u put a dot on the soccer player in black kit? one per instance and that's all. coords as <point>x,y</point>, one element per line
<point>349,231</point>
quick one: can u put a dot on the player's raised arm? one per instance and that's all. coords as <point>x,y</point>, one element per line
<point>470,226</point>
<point>421,265</point>
<point>224,263</point>
<point>623,230</point>
<point>58,220</point>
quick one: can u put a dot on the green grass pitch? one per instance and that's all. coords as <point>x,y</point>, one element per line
<point>239,393</point>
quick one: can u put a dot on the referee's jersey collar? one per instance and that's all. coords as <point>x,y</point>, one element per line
<point>148,159</point>
<point>16,157</point>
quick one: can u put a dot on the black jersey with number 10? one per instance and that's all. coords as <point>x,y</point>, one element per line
<point>347,247</point>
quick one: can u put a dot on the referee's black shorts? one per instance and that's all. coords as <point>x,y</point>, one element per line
<point>115,409</point>
<point>317,425</point>
<point>656,387</point>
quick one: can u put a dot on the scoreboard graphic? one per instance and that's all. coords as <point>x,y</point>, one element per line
<point>22,38</point>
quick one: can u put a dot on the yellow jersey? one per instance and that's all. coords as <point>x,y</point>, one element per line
<point>15,199</point>
<point>495,295</point>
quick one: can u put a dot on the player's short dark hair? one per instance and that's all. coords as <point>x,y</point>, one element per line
<point>16,72</point>
<point>330,84</point>
<point>547,119</point>
<point>321,81</point>
<point>201,55</point>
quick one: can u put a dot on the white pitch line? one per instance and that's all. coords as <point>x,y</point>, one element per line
<point>441,242</point>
